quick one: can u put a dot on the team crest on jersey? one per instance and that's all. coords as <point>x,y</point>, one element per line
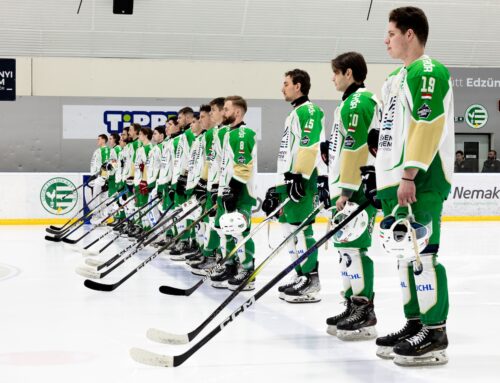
<point>424,111</point>
<point>305,140</point>
<point>349,142</point>
<point>241,159</point>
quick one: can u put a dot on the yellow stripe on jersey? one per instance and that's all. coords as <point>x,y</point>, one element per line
<point>351,161</point>
<point>423,140</point>
<point>306,160</point>
<point>204,171</point>
<point>243,172</point>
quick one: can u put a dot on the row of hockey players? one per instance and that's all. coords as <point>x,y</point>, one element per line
<point>402,151</point>
<point>403,146</point>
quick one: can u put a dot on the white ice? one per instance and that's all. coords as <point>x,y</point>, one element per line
<point>53,329</point>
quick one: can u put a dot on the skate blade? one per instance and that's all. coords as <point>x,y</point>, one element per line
<point>385,352</point>
<point>365,333</point>
<point>308,298</point>
<point>249,287</point>
<point>219,285</point>
<point>332,330</point>
<point>177,258</point>
<point>433,358</point>
<point>198,272</point>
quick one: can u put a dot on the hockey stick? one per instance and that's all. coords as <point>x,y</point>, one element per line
<point>93,274</point>
<point>59,237</point>
<point>121,223</point>
<point>187,292</point>
<point>55,230</point>
<point>100,265</point>
<point>66,239</point>
<point>154,359</point>
<point>164,337</point>
<point>110,287</point>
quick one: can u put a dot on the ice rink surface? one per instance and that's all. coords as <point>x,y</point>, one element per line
<point>53,329</point>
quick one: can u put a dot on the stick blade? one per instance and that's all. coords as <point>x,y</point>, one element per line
<point>52,239</point>
<point>169,290</point>
<point>87,273</point>
<point>89,252</point>
<point>70,241</point>
<point>151,358</point>
<point>93,262</point>
<point>93,285</point>
<point>55,227</point>
<point>161,336</point>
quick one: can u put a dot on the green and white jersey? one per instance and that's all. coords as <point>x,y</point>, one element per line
<point>196,161</point>
<point>181,160</point>
<point>141,158</point>
<point>114,157</point>
<point>348,150</point>
<point>153,163</point>
<point>166,162</point>
<point>129,156</point>
<point>239,161</point>
<point>299,149</point>
<point>99,157</point>
<point>215,155</point>
<point>417,128</point>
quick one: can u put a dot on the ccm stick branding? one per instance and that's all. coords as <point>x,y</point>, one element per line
<point>242,308</point>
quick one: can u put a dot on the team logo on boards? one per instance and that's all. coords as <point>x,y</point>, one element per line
<point>476,116</point>
<point>56,196</point>
<point>116,120</point>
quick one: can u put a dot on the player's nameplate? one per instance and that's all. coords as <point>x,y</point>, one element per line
<point>7,79</point>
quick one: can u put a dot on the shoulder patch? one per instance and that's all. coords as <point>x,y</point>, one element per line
<point>349,142</point>
<point>305,140</point>
<point>424,111</point>
<point>241,159</point>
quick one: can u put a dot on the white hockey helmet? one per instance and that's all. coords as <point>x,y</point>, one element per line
<point>233,223</point>
<point>354,229</point>
<point>402,236</point>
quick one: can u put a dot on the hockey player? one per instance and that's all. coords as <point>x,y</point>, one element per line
<point>114,172</point>
<point>414,166</point>
<point>236,193</point>
<point>196,166</point>
<point>128,174</point>
<point>144,169</point>
<point>182,145</point>
<point>356,115</point>
<point>298,159</point>
<point>98,164</point>
<point>165,175</point>
<point>211,117</point>
<point>153,167</point>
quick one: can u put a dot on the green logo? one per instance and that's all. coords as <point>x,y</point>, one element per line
<point>56,196</point>
<point>476,116</point>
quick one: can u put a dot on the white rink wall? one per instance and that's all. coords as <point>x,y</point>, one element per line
<point>31,198</point>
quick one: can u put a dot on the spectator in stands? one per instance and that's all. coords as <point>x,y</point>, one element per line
<point>461,166</point>
<point>491,165</point>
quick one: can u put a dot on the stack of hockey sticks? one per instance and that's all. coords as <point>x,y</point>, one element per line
<point>150,358</point>
<point>143,241</point>
<point>72,225</point>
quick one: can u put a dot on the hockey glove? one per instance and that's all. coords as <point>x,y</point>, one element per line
<point>324,192</point>
<point>105,187</point>
<point>143,187</point>
<point>373,141</point>
<point>271,201</point>
<point>159,191</point>
<point>181,185</point>
<point>324,149</point>
<point>230,195</point>
<point>295,186</point>
<point>213,193</point>
<point>141,167</point>
<point>369,180</point>
<point>171,194</point>
<point>200,190</point>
